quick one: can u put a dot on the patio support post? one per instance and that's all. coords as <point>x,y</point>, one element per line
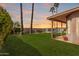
<point>57,27</point>
<point>61,27</point>
<point>66,27</point>
<point>52,30</point>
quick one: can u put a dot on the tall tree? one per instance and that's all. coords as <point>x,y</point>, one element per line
<point>31,25</point>
<point>53,9</point>
<point>56,5</point>
<point>21,18</point>
<point>6,25</point>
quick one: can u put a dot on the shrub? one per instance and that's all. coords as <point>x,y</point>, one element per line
<point>6,24</point>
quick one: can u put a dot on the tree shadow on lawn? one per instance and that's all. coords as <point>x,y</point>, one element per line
<point>16,47</point>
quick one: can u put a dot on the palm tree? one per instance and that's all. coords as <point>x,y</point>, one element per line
<point>21,19</point>
<point>31,25</point>
<point>53,9</point>
<point>56,5</point>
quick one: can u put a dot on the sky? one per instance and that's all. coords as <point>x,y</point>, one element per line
<point>41,12</point>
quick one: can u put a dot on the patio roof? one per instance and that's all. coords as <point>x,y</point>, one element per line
<point>62,16</point>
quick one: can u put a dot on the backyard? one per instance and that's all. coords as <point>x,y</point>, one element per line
<point>38,44</point>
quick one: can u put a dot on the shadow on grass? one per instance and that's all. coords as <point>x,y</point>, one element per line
<point>16,47</point>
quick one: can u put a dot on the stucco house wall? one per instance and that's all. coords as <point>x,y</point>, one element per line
<point>73,26</point>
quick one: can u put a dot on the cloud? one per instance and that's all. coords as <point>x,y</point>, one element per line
<point>39,24</point>
<point>9,5</point>
<point>46,4</point>
<point>39,21</point>
<point>25,12</point>
<point>36,25</point>
<point>39,18</point>
<point>15,17</point>
<point>26,25</point>
<point>2,4</point>
<point>42,24</point>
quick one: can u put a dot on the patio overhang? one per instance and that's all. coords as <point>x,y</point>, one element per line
<point>61,17</point>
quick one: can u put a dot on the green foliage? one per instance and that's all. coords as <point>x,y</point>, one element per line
<point>16,24</point>
<point>55,34</point>
<point>16,27</point>
<point>6,24</point>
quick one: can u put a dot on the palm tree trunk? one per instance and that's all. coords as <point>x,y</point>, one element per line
<point>31,25</point>
<point>21,18</point>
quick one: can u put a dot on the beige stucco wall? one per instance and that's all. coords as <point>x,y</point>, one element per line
<point>68,30</point>
<point>77,27</point>
<point>73,26</point>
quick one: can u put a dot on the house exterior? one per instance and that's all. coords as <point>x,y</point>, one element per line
<point>71,18</point>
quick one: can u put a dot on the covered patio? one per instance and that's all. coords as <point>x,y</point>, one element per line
<point>71,19</point>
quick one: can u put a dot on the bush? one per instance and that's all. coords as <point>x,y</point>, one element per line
<point>55,34</point>
<point>6,24</point>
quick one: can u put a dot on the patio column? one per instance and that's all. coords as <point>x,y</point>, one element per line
<point>52,30</point>
<point>66,27</point>
<point>57,26</point>
<point>61,27</point>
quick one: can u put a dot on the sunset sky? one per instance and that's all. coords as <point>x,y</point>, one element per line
<point>41,12</point>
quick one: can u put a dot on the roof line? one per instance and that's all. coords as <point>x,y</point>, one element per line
<point>61,13</point>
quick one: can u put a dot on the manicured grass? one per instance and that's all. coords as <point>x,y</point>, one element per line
<point>38,44</point>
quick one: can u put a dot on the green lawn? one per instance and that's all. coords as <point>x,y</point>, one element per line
<point>38,44</point>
